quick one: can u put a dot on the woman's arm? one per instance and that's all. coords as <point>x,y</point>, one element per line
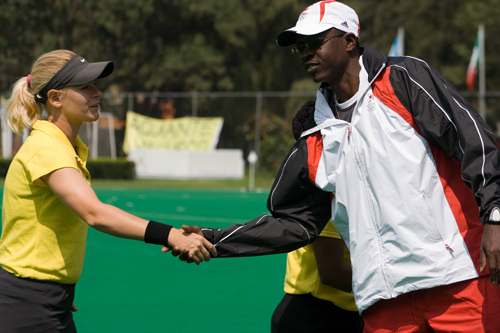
<point>70,187</point>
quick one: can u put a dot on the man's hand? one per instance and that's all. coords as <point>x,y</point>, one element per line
<point>192,229</point>
<point>190,246</point>
<point>490,252</point>
<point>183,255</point>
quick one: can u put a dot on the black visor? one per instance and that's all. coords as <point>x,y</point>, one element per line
<point>75,72</point>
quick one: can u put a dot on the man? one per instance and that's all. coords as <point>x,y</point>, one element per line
<point>414,175</point>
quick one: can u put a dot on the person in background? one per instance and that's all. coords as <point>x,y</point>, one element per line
<point>48,203</point>
<point>318,280</point>
<point>167,109</point>
<point>414,175</point>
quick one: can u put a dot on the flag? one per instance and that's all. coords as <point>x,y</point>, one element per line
<point>473,64</point>
<point>397,48</point>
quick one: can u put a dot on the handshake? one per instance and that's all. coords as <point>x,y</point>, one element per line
<point>190,245</point>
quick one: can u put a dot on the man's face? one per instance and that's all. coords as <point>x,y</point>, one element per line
<point>325,59</point>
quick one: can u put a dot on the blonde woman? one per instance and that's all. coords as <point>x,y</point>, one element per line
<point>48,203</point>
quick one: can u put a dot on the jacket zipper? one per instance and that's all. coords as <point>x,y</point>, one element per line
<point>363,173</point>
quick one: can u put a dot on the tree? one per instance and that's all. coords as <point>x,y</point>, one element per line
<point>227,45</point>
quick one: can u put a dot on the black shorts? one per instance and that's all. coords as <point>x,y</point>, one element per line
<point>307,314</point>
<point>33,306</point>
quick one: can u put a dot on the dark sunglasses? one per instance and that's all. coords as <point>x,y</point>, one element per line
<point>312,44</point>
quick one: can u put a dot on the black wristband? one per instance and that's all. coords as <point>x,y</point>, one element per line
<point>157,233</point>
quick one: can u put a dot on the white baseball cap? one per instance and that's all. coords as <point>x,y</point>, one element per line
<point>319,17</point>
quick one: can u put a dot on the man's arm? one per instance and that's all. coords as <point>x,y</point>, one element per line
<point>447,120</point>
<point>299,211</point>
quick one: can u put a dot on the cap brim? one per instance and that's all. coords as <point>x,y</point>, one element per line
<point>92,72</point>
<point>289,37</point>
<point>286,38</point>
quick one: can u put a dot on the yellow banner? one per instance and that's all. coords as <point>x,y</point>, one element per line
<point>187,133</point>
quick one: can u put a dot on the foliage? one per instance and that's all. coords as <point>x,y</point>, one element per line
<point>102,168</point>
<point>4,166</point>
<point>224,45</point>
<point>107,168</point>
<point>165,45</point>
<point>440,32</point>
<point>227,45</point>
<point>277,139</point>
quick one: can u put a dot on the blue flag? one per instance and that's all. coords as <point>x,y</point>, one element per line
<point>397,48</point>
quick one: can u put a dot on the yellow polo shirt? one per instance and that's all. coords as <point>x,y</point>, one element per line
<point>302,274</point>
<point>42,238</point>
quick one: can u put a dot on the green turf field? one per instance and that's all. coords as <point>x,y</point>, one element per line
<point>130,286</point>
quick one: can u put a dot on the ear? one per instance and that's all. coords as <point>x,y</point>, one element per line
<point>351,41</point>
<point>54,98</point>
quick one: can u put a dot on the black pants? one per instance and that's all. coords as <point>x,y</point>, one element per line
<point>308,314</point>
<point>32,306</point>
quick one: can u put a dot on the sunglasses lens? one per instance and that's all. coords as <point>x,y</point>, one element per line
<point>314,43</point>
<point>311,44</point>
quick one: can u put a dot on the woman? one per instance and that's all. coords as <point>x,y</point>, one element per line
<point>48,202</point>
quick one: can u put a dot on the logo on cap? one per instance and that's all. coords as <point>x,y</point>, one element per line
<point>344,24</point>
<point>302,16</point>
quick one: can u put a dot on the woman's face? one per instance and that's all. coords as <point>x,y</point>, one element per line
<point>80,103</point>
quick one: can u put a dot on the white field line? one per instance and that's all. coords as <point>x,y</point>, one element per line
<point>180,217</point>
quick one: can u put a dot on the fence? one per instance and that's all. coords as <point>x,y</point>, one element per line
<point>253,121</point>
<point>244,113</point>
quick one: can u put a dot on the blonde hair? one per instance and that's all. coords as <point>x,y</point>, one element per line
<point>23,109</point>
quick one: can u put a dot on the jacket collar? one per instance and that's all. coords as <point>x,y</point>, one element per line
<point>374,61</point>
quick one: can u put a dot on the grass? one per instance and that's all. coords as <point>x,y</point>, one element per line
<point>131,287</point>
<point>263,181</point>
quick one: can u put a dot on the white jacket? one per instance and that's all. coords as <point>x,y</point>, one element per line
<point>389,205</point>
